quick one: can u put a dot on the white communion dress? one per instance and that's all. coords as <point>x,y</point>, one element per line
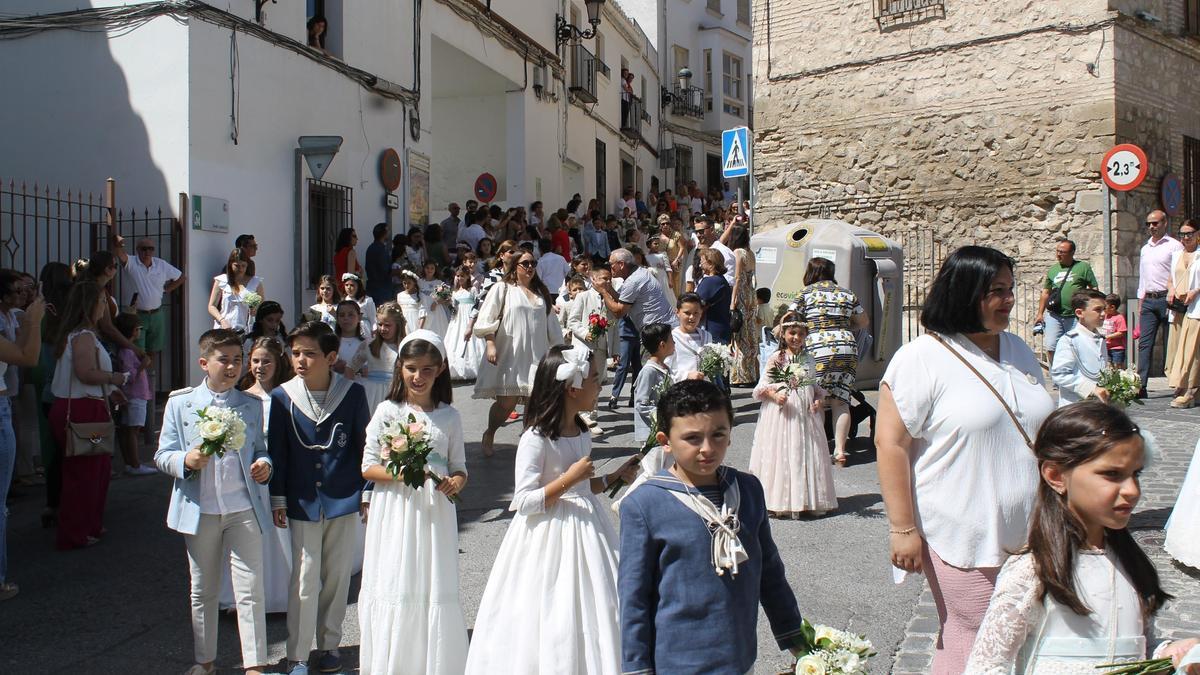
<point>413,309</point>
<point>408,607</point>
<point>378,380</point>
<point>550,605</point>
<point>465,353</point>
<point>1183,528</point>
<point>1021,633</point>
<point>277,552</point>
<point>437,315</point>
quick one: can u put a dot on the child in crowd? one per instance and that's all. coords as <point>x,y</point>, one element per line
<point>353,289</point>
<point>790,454</point>
<point>267,369</point>
<point>409,300</point>
<point>378,357</point>
<point>437,300</point>
<point>697,556</point>
<point>1115,330</point>
<point>551,600</point>
<point>408,607</point>
<point>325,309</point>
<point>268,323</point>
<point>585,302</point>
<point>1082,592</point>
<point>316,438</point>
<point>213,504</point>
<point>768,344</point>
<point>137,391</point>
<point>465,350</point>
<point>690,337</point>
<point>1080,354</point>
<point>350,338</point>
<point>657,340</point>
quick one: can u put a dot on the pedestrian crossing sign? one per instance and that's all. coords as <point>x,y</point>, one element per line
<point>735,152</point>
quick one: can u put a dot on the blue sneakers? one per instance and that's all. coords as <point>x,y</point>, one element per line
<point>298,668</point>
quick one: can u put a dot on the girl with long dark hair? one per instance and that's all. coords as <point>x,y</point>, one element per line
<point>1082,593</point>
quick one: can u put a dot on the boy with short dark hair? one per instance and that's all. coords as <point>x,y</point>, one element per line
<point>1115,329</point>
<point>1080,354</point>
<point>213,503</point>
<point>681,610</point>
<point>316,441</point>
<point>656,338</point>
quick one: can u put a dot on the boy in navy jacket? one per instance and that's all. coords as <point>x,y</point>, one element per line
<point>316,439</point>
<point>684,608</point>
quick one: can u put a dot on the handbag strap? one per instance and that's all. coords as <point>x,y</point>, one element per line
<point>1066,277</point>
<point>71,382</point>
<point>1011,415</point>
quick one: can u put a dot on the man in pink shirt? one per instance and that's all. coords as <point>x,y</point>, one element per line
<point>1154,272</point>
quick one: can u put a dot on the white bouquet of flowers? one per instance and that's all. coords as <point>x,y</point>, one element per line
<point>222,429</point>
<point>829,651</point>
<point>715,360</point>
<point>1122,386</point>
<point>252,299</point>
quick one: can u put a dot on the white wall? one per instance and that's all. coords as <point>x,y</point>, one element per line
<point>256,175</point>
<point>469,138</point>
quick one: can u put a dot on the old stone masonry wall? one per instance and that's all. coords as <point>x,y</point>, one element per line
<point>983,126</point>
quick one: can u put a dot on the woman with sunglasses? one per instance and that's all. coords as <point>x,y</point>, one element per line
<point>516,323</point>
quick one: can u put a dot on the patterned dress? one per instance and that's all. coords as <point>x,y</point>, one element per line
<point>828,309</point>
<point>745,343</point>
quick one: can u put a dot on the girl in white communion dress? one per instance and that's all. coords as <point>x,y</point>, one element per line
<point>1082,594</point>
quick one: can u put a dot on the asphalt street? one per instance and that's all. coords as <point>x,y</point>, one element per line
<point>122,606</point>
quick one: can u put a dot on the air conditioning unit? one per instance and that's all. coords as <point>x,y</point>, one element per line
<point>666,158</point>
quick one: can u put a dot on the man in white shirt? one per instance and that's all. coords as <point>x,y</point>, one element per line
<point>472,232</point>
<point>148,279</point>
<point>706,235</point>
<point>552,268</point>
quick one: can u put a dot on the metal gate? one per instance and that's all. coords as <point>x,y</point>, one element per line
<point>40,225</point>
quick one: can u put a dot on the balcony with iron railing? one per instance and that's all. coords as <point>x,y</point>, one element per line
<point>633,114</point>
<point>583,74</point>
<point>686,101</point>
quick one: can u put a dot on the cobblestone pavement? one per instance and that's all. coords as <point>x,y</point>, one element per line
<point>1176,432</point>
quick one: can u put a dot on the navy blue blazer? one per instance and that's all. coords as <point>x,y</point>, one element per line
<point>677,615</point>
<point>318,467</point>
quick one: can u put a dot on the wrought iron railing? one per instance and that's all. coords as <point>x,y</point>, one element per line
<point>330,209</point>
<point>687,101</point>
<point>583,74</point>
<point>892,13</point>
<point>633,113</point>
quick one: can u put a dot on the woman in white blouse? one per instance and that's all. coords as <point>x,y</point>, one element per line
<point>516,322</point>
<point>228,303</point>
<point>958,408</point>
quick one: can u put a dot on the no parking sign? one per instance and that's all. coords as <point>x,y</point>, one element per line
<point>485,188</point>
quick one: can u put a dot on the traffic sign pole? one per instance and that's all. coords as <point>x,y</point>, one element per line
<point>1108,246</point>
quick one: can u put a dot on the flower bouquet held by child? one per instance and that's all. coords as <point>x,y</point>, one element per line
<point>715,359</point>
<point>1122,386</point>
<point>222,429</point>
<point>406,447</point>
<point>597,327</point>
<point>829,651</point>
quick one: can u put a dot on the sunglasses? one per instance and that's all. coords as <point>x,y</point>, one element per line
<point>1187,235</point>
<point>1153,222</point>
<point>527,264</point>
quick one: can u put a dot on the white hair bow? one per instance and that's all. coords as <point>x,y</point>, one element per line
<point>576,362</point>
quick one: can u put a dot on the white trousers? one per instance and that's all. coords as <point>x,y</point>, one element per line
<point>240,534</point>
<point>322,564</point>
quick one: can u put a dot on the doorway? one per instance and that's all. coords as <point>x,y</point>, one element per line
<point>601,176</point>
<point>712,171</point>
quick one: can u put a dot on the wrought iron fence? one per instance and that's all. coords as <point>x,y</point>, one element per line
<point>40,225</point>
<point>583,74</point>
<point>923,256</point>
<point>330,209</point>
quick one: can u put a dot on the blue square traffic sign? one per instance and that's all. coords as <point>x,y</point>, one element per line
<point>735,152</point>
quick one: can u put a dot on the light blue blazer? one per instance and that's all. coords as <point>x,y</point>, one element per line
<point>179,434</point>
<point>1079,357</point>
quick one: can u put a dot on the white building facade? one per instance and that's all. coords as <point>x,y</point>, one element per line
<point>704,51</point>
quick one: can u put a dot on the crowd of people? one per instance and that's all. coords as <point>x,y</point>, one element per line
<point>1013,506</point>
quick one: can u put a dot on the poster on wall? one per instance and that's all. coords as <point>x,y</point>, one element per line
<point>418,189</point>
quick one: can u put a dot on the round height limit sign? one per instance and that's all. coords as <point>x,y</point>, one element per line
<point>1124,167</point>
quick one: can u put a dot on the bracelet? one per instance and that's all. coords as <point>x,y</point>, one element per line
<point>902,532</point>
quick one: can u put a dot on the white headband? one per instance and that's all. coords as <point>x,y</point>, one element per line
<point>577,363</point>
<point>428,336</point>
<point>350,275</point>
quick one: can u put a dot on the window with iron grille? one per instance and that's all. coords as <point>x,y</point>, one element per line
<point>330,208</point>
<point>715,6</point>
<point>1191,11</point>
<point>1191,177</point>
<point>683,164</point>
<point>894,13</point>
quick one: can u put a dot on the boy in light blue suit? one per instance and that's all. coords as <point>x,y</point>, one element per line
<point>1081,354</point>
<point>213,503</point>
